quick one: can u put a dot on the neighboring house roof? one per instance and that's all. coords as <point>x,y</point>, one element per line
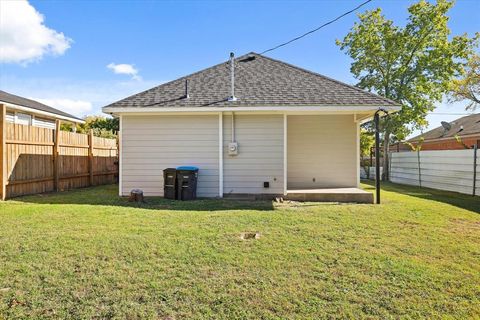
<point>259,81</point>
<point>465,126</point>
<point>32,104</point>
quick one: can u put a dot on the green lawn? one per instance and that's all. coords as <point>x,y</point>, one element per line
<point>88,254</point>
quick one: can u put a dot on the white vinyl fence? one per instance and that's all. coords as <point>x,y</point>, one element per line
<point>451,170</point>
<point>371,175</point>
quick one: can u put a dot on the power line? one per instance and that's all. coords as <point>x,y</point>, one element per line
<point>316,29</point>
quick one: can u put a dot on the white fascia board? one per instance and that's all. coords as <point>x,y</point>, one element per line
<point>40,112</point>
<point>268,109</point>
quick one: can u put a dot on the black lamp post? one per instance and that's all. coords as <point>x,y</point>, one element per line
<point>377,154</point>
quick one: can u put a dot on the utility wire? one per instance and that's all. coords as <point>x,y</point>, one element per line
<point>316,29</point>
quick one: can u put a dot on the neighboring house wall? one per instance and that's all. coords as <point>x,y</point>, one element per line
<point>44,123</point>
<point>323,148</point>
<point>449,144</point>
<point>29,120</point>
<point>260,156</point>
<point>152,143</point>
<point>10,117</point>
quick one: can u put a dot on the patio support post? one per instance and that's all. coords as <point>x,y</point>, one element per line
<point>377,154</point>
<point>377,158</point>
<point>3,153</point>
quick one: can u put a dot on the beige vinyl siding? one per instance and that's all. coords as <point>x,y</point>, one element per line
<point>152,143</point>
<point>260,158</point>
<point>321,147</point>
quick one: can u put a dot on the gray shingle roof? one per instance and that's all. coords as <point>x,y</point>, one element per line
<point>259,81</point>
<point>24,102</point>
<point>468,125</point>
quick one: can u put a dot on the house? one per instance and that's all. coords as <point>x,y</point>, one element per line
<point>24,111</point>
<point>458,134</point>
<point>256,126</point>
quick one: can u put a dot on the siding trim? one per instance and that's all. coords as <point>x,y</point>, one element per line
<point>220,154</point>
<point>120,158</point>
<point>357,123</point>
<point>285,158</point>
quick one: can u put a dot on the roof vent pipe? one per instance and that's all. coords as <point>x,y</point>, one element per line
<point>186,89</point>
<point>232,77</point>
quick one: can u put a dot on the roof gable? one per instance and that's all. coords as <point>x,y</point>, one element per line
<point>259,81</point>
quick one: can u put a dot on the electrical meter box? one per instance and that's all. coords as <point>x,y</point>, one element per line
<point>232,148</point>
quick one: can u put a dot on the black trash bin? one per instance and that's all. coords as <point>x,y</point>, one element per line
<point>187,177</point>
<point>170,183</point>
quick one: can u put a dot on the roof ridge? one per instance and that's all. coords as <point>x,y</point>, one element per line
<point>390,101</point>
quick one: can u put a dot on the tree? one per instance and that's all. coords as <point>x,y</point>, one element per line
<point>467,87</point>
<point>102,126</point>
<point>366,143</point>
<point>412,65</point>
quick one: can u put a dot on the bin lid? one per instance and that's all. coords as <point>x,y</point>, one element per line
<point>188,168</point>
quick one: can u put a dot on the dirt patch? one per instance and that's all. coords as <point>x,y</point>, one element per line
<point>249,235</point>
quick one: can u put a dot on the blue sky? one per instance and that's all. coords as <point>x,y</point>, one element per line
<point>162,41</point>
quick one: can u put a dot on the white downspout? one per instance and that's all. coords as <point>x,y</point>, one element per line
<point>220,155</point>
<point>285,154</point>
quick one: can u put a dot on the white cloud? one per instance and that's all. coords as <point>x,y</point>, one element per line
<point>24,36</point>
<point>75,107</point>
<point>123,68</point>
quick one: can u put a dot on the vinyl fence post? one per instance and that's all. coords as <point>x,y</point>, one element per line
<point>419,170</point>
<point>475,151</point>
<point>56,164</point>
<point>3,152</point>
<point>389,165</point>
<point>90,156</point>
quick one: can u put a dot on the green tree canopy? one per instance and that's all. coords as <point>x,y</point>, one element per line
<point>467,87</point>
<point>102,126</point>
<point>412,64</point>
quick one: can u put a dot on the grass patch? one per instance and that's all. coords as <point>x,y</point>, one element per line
<point>88,254</point>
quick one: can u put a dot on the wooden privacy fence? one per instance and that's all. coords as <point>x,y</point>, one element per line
<point>37,160</point>
<point>452,170</point>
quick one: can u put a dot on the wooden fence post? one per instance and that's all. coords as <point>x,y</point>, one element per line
<point>90,156</point>
<point>3,152</point>
<point>56,164</point>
